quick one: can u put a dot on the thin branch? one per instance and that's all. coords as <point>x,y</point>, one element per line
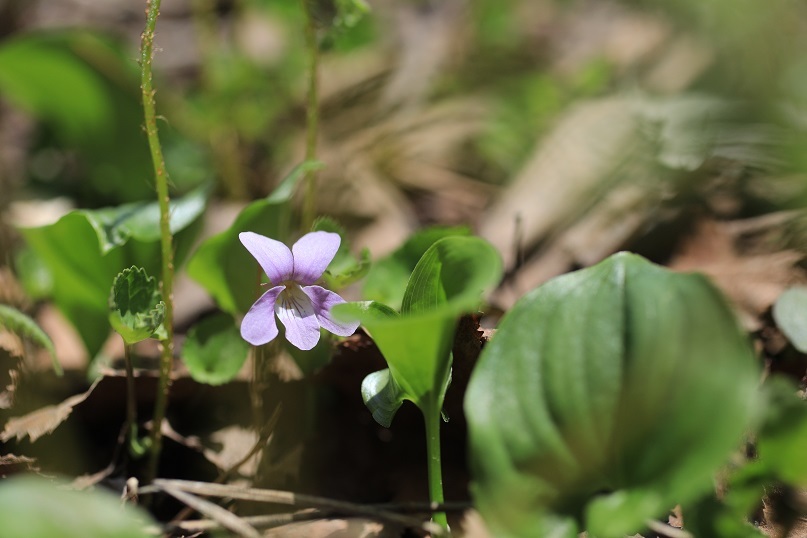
<point>215,512</point>
<point>666,530</point>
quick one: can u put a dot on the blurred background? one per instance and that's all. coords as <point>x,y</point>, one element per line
<point>560,130</point>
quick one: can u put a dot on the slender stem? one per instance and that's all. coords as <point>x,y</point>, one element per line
<point>312,114</point>
<point>161,177</point>
<point>432,418</point>
<point>131,410</point>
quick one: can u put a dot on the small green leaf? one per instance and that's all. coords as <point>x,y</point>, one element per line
<point>15,321</point>
<point>382,396</point>
<point>387,278</point>
<point>224,267</point>
<point>790,314</point>
<point>214,351</point>
<point>85,250</point>
<point>32,507</point>
<point>136,309</point>
<point>607,379</point>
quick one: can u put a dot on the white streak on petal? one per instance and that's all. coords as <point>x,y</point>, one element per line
<point>296,312</point>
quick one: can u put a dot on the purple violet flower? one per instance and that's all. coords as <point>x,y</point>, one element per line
<point>301,307</point>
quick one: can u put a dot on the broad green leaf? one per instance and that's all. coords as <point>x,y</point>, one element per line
<point>608,379</point>
<point>790,314</point>
<point>387,278</point>
<point>224,267</point>
<point>136,308</point>
<point>85,250</point>
<point>448,280</point>
<point>33,507</point>
<point>18,323</point>
<point>345,268</point>
<point>382,396</point>
<point>214,351</point>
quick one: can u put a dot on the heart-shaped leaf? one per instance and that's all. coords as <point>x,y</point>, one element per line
<point>214,351</point>
<point>85,250</point>
<point>224,267</point>
<point>790,314</point>
<point>136,308</point>
<point>606,397</point>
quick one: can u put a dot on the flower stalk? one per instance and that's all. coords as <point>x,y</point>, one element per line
<point>311,114</point>
<point>161,180</point>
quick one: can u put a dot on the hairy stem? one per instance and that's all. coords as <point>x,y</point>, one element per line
<point>161,177</point>
<point>312,114</point>
<point>435,467</point>
<point>136,447</point>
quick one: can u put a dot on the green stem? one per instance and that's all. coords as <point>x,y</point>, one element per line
<point>312,114</point>
<point>136,448</point>
<point>161,176</point>
<point>432,418</point>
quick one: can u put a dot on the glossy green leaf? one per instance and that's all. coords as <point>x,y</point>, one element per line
<point>85,250</point>
<point>214,351</point>
<point>387,278</point>
<point>224,267</point>
<point>790,314</point>
<point>33,507</point>
<point>18,323</point>
<point>448,280</point>
<point>136,308</point>
<point>608,379</point>
<point>382,396</point>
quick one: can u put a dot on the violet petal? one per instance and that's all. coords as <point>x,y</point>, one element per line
<point>296,312</point>
<point>259,325</point>
<point>274,257</point>
<point>312,254</point>
<point>323,300</point>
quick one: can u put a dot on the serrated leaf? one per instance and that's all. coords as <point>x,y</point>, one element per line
<point>214,351</point>
<point>136,308</point>
<point>15,321</point>
<point>607,380</point>
<point>33,507</point>
<point>387,278</point>
<point>790,314</point>
<point>224,267</point>
<point>85,250</point>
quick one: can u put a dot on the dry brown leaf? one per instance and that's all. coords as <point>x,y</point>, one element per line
<point>7,396</point>
<point>11,463</point>
<point>336,528</point>
<point>45,420</point>
<point>12,343</point>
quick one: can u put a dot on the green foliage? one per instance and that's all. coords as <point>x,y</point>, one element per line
<point>345,267</point>
<point>86,249</point>
<point>447,281</point>
<point>32,507</point>
<point>83,88</point>
<point>224,267</point>
<point>136,308</point>
<point>387,278</point>
<point>15,321</point>
<point>790,314</point>
<point>214,351</point>
<point>608,379</point>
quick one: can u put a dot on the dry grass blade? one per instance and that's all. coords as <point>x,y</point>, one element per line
<point>258,522</point>
<point>291,499</point>
<point>215,512</point>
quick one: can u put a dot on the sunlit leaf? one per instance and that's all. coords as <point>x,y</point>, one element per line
<point>85,250</point>
<point>790,314</point>
<point>15,321</point>
<point>387,278</point>
<point>214,351</point>
<point>136,308</point>
<point>595,402</point>
<point>33,507</point>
